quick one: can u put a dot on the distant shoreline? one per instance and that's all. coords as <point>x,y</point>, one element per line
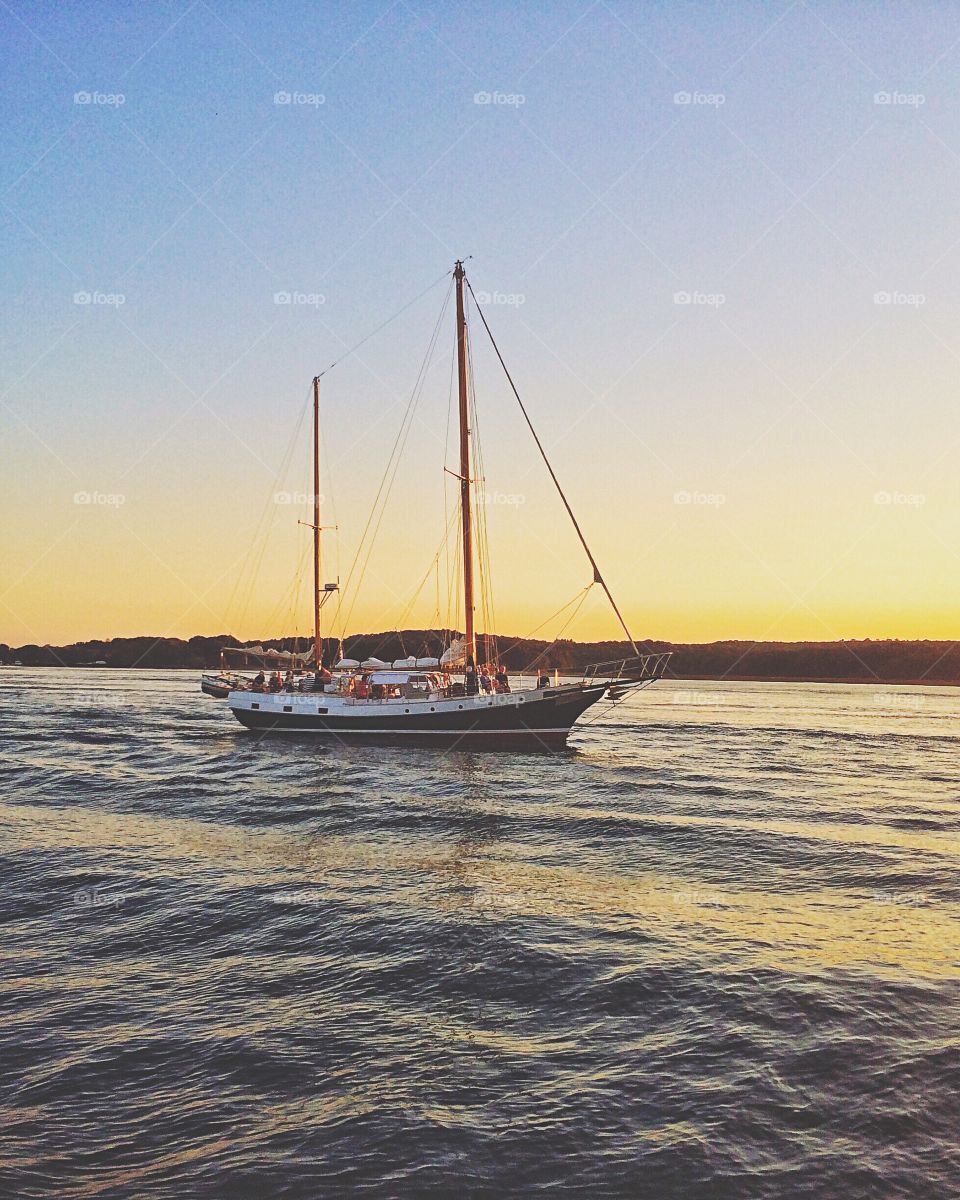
<point>878,663</point>
<point>862,680</point>
<point>839,680</point>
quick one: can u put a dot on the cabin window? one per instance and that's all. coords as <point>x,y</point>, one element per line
<point>322,710</point>
<point>288,708</point>
<point>254,705</point>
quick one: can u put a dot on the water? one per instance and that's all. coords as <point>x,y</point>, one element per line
<point>712,951</point>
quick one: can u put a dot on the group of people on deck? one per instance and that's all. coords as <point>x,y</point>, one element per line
<point>490,678</point>
<point>292,682</point>
<point>475,681</point>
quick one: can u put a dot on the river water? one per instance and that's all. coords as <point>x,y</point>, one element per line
<point>710,951</point>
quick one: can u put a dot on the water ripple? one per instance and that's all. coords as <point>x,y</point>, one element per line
<point>710,951</point>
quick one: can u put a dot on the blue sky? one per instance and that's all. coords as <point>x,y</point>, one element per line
<point>782,164</point>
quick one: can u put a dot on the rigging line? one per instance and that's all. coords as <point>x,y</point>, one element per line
<point>483,539</point>
<point>399,312</point>
<point>483,543</point>
<point>413,600</point>
<point>480,509</point>
<point>280,608</point>
<point>402,434</point>
<point>597,577</point>
<point>393,465</point>
<point>543,653</point>
<point>563,608</point>
<point>433,562</point>
<point>394,461</point>
<point>250,571</point>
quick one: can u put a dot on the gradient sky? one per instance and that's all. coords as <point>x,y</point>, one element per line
<point>813,430</point>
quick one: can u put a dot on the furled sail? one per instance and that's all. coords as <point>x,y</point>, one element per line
<point>455,653</point>
<point>257,656</point>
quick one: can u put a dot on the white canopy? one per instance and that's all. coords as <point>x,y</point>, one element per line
<point>428,662</point>
<point>405,662</point>
<point>374,663</point>
<point>347,663</point>
<point>392,677</point>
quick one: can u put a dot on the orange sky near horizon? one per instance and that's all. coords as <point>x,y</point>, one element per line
<point>720,261</point>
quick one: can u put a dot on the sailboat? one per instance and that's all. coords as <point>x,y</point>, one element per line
<point>458,698</point>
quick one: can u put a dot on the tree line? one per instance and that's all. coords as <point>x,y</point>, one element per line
<point>850,661</point>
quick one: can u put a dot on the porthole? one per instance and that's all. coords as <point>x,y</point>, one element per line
<point>432,709</point>
<point>459,706</point>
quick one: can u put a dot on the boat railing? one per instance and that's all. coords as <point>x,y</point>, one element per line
<point>640,668</point>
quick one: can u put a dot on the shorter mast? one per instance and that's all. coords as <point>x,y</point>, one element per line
<point>470,648</point>
<point>317,640</point>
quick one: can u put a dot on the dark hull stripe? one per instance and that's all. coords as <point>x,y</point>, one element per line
<point>468,739</point>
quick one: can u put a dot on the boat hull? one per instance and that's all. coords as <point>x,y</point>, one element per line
<point>533,720</point>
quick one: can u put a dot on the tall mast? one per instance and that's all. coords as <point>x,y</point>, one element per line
<point>466,515</point>
<point>317,641</point>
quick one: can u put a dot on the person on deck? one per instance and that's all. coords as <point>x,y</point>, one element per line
<point>485,681</point>
<point>543,680</point>
<point>470,685</point>
<point>259,681</point>
<point>362,688</point>
<point>502,680</point>
<point>276,683</point>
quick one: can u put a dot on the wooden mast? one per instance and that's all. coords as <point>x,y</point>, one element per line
<point>317,640</point>
<point>470,647</point>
